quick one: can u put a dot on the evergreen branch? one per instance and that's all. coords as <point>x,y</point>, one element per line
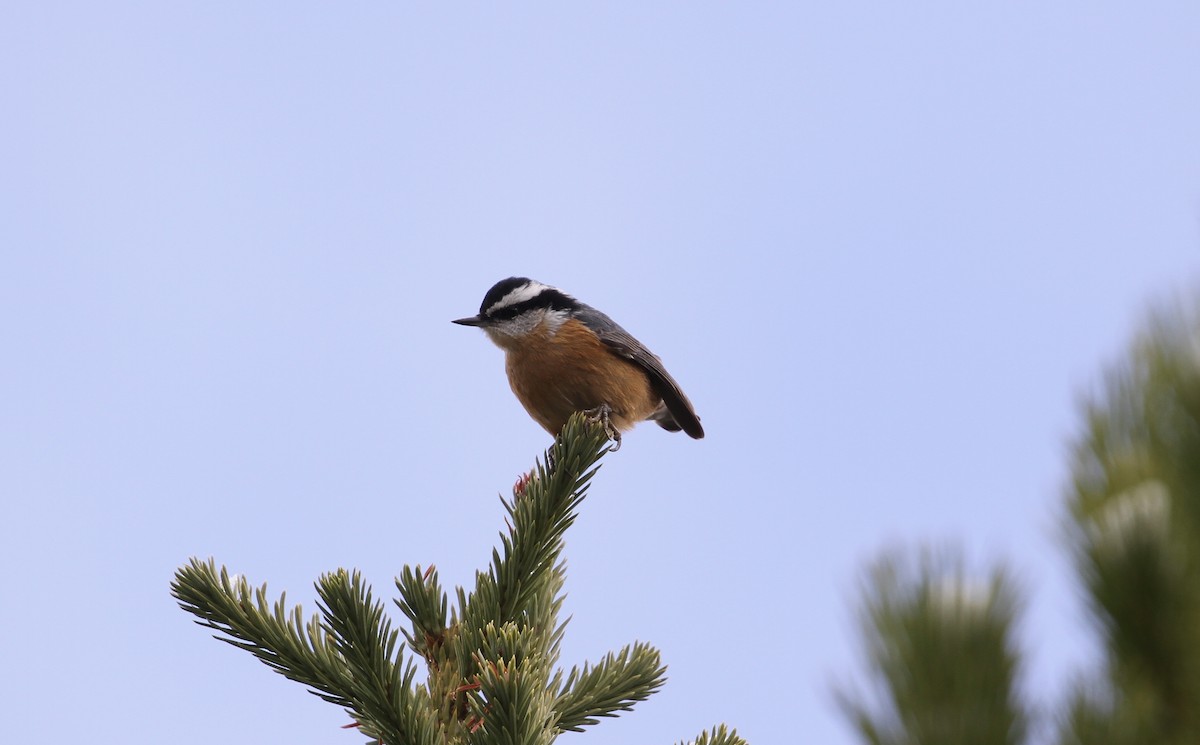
<point>539,517</point>
<point>424,602</point>
<point>1134,530</point>
<point>383,698</point>
<point>490,661</point>
<point>719,735</point>
<point>614,685</point>
<point>544,612</point>
<point>278,638</point>
<point>513,704</point>
<point>940,651</point>
<point>514,707</point>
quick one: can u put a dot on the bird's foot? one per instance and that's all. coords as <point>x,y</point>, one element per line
<point>601,415</point>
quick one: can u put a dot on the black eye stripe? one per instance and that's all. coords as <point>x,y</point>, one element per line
<point>511,311</point>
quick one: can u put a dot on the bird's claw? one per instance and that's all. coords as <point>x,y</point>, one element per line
<point>601,415</point>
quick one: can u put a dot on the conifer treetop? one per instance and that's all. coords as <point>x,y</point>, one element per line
<point>491,656</point>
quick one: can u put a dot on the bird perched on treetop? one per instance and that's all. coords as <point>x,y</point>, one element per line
<point>563,356</point>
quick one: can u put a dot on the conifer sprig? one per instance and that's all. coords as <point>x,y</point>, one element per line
<point>720,735</point>
<point>492,658</point>
<point>614,685</point>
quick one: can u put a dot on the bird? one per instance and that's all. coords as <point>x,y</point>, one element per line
<point>563,356</point>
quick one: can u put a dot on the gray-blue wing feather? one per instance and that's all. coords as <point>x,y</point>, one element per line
<point>683,416</point>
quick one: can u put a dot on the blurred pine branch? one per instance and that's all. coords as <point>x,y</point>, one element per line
<point>941,655</point>
<point>940,647</point>
<point>1133,527</point>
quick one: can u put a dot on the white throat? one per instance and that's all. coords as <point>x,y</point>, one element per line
<point>540,319</point>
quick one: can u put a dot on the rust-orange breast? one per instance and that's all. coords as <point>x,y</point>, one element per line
<point>555,375</point>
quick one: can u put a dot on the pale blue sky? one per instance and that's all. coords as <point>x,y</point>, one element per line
<point>882,246</point>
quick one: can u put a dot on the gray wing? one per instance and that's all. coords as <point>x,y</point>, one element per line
<point>622,343</point>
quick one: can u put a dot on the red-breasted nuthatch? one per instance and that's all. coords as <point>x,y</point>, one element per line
<point>563,356</point>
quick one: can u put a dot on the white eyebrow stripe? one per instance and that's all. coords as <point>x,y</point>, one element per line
<point>519,295</point>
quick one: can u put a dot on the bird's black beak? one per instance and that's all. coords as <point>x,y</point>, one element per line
<point>471,321</point>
